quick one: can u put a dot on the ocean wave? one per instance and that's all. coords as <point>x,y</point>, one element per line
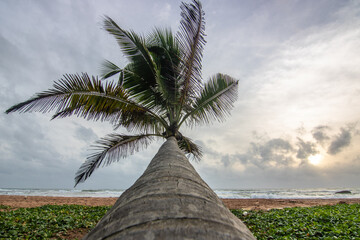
<point>317,193</point>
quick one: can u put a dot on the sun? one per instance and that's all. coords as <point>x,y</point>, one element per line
<point>315,159</point>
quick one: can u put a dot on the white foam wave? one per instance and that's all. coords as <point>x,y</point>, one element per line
<point>222,193</point>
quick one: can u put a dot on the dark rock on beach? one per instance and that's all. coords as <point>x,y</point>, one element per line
<point>343,192</point>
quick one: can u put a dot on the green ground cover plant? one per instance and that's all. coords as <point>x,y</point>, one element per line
<point>49,221</point>
<point>341,221</point>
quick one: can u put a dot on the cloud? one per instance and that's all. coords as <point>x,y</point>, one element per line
<point>274,153</point>
<point>284,162</point>
<point>85,134</point>
<point>262,154</point>
<point>285,153</point>
<point>341,141</point>
<point>163,12</point>
<point>311,77</point>
<point>293,66</point>
<point>320,133</point>
<point>28,156</point>
<point>305,149</point>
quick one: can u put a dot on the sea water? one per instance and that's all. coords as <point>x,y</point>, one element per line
<point>268,193</point>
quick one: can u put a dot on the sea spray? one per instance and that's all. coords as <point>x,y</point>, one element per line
<point>268,193</point>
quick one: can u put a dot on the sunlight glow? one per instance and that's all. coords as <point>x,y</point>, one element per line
<point>315,159</point>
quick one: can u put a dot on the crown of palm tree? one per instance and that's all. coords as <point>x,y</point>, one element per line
<point>158,91</point>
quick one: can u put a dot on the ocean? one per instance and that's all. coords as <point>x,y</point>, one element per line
<point>268,193</point>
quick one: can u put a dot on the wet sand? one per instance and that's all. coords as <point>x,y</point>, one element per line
<point>246,204</point>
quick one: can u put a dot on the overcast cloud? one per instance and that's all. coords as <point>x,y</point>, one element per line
<point>299,92</point>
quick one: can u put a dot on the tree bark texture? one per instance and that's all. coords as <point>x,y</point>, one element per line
<point>169,201</point>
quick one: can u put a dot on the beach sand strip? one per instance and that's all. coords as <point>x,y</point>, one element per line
<point>246,204</point>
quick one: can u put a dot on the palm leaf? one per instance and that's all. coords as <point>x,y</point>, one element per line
<point>109,69</point>
<point>165,51</point>
<point>214,102</point>
<point>110,149</point>
<point>166,76</point>
<point>191,39</point>
<point>87,98</point>
<point>131,44</point>
<point>134,47</point>
<point>140,75</point>
<point>140,122</point>
<point>190,148</point>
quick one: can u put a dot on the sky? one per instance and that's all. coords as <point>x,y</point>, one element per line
<point>294,125</point>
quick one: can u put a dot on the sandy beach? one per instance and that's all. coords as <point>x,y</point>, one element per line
<point>247,204</point>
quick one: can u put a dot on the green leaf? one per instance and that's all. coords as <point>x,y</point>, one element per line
<point>214,102</point>
<point>189,147</point>
<point>191,40</point>
<point>111,149</point>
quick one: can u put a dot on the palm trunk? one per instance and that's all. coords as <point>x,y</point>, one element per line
<point>169,201</point>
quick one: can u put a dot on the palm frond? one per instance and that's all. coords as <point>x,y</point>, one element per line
<point>165,51</point>
<point>133,46</point>
<point>191,39</point>
<point>140,122</point>
<point>214,102</point>
<point>63,93</point>
<point>67,112</point>
<point>139,77</point>
<point>111,149</point>
<point>110,69</point>
<point>189,147</point>
<point>165,77</point>
<point>145,95</point>
<point>85,97</point>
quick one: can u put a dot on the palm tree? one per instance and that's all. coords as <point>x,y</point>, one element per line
<point>158,91</point>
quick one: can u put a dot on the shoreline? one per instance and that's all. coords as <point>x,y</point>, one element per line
<point>17,201</point>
